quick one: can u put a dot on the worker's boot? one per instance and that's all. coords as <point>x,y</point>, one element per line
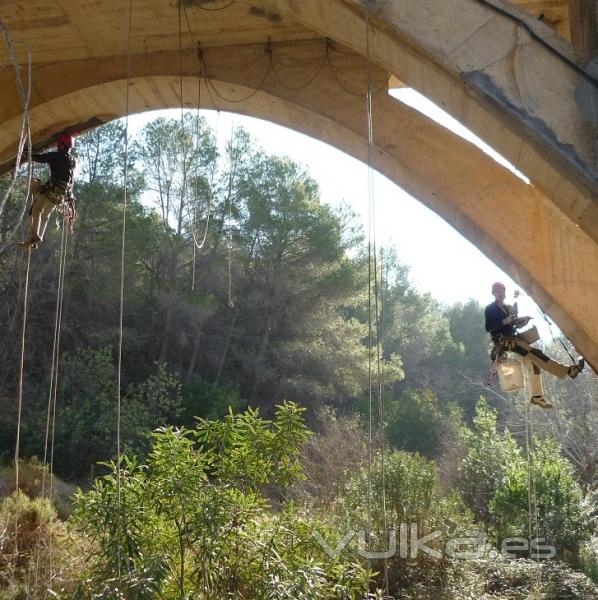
<point>576,369</point>
<point>540,401</point>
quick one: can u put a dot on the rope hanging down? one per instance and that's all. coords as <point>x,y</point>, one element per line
<point>122,297</point>
<point>533,515</point>
<point>373,268</point>
<point>25,137</point>
<point>51,408</point>
<point>25,134</point>
<point>271,67</point>
<point>192,215</point>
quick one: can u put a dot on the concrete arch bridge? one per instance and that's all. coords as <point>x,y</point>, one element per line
<point>523,76</point>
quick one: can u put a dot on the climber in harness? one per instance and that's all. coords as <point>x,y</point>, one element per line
<point>502,323</point>
<point>56,192</point>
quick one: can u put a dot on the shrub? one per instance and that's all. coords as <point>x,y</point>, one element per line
<point>37,553</point>
<point>415,501</point>
<point>484,467</point>
<point>563,514</point>
<point>194,522</point>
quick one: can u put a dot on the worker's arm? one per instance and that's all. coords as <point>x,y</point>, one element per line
<point>40,157</point>
<point>46,157</point>
<point>496,319</point>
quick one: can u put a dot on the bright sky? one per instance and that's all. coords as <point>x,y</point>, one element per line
<point>441,261</point>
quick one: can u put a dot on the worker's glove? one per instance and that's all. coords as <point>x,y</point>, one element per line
<point>521,321</point>
<point>508,320</point>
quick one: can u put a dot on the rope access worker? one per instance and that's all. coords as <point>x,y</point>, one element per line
<point>502,323</point>
<point>56,192</point>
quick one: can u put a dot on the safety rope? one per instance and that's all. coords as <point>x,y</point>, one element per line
<point>182,103</point>
<point>256,89</point>
<point>310,80</point>
<point>382,88</point>
<point>271,67</point>
<point>216,8</point>
<point>20,407</point>
<point>230,229</point>
<point>25,135</point>
<point>559,338</point>
<point>533,511</point>
<point>373,269</point>
<point>197,245</point>
<point>51,408</point>
<point>122,298</point>
<point>381,409</point>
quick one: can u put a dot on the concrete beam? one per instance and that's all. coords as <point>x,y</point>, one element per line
<point>511,222</point>
<point>495,68</point>
<point>483,63</point>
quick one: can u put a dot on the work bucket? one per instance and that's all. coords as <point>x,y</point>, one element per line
<point>530,335</point>
<point>510,375</point>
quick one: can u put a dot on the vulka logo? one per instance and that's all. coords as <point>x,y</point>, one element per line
<point>471,546</point>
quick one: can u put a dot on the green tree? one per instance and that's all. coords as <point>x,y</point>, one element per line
<point>484,468</point>
<point>563,514</point>
<point>416,329</point>
<point>415,422</point>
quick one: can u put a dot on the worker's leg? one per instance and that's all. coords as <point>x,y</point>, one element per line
<point>538,358</point>
<point>535,383</point>
<point>535,377</point>
<point>40,215</point>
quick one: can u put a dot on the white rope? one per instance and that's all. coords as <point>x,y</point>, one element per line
<point>20,407</point>
<point>25,135</point>
<point>533,518</point>
<point>122,297</point>
<point>51,409</point>
<point>230,224</point>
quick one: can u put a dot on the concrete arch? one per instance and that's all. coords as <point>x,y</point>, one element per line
<point>544,235</point>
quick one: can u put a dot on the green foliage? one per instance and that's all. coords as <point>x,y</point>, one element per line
<point>415,422</point>
<point>194,521</point>
<point>208,401</point>
<point>495,479</point>
<point>414,498</point>
<point>86,411</point>
<point>254,452</point>
<point>413,495</point>
<point>504,579</point>
<point>563,515</point>
<point>416,329</point>
<point>588,558</point>
<point>484,467</point>
<point>36,549</point>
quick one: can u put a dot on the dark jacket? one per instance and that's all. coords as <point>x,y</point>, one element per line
<point>499,319</point>
<point>62,167</point>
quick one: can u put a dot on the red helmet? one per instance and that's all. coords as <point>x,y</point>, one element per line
<point>66,140</point>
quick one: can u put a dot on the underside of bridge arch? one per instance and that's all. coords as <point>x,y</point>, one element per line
<point>301,65</point>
